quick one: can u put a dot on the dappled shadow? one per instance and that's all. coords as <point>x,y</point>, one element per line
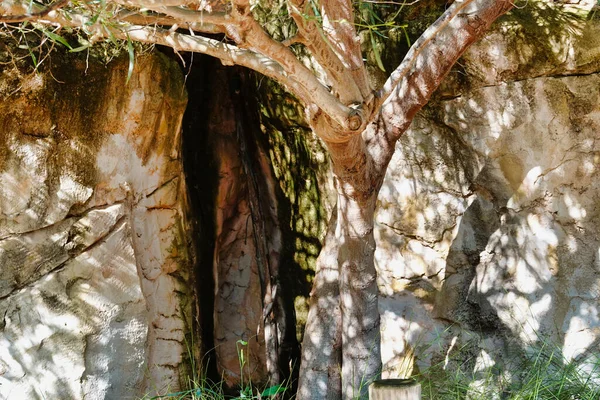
<point>552,38</point>
<point>495,235</point>
<point>301,167</point>
<point>63,334</point>
<point>91,233</point>
<point>267,189</point>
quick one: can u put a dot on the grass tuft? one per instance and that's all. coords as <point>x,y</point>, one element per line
<point>543,373</point>
<point>201,388</point>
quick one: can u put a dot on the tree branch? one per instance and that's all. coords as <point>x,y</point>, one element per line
<point>432,56</point>
<point>32,16</point>
<point>227,53</point>
<point>265,56</point>
<point>251,34</point>
<point>153,18</point>
<point>180,14</point>
<point>338,25</point>
<point>241,26</point>
<point>312,36</point>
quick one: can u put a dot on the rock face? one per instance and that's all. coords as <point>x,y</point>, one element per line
<point>488,234</point>
<point>95,275</point>
<point>488,231</point>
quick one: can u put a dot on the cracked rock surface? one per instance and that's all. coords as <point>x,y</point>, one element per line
<point>94,269</point>
<point>488,233</point>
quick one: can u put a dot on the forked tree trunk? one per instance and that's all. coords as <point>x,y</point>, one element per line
<point>359,163</point>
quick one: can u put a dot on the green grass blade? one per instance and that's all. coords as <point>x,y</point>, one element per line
<point>131,58</point>
<point>376,52</point>
<point>57,38</point>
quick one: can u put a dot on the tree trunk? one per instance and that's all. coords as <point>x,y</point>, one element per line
<point>341,348</point>
<point>361,355</point>
<point>322,345</point>
<point>359,163</point>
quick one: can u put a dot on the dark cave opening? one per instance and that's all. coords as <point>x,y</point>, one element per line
<point>201,165</point>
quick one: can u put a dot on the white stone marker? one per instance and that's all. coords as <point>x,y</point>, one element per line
<point>395,389</point>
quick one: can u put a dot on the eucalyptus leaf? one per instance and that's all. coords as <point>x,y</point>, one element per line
<point>376,52</point>
<point>80,48</point>
<point>34,58</point>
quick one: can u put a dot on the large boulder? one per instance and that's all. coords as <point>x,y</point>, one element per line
<point>95,275</point>
<point>488,222</point>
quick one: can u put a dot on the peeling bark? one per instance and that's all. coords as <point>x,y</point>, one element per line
<point>248,301</point>
<point>238,295</point>
<point>267,265</point>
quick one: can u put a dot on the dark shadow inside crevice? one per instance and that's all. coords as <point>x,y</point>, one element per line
<point>201,180</point>
<point>247,106</point>
<point>201,168</point>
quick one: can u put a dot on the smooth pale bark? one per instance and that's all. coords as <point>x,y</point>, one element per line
<point>361,355</point>
<point>346,279</point>
<point>358,179</point>
<point>341,351</point>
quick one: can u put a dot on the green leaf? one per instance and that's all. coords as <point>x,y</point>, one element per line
<point>80,48</point>
<point>111,37</point>
<point>315,9</point>
<point>273,390</point>
<point>93,20</point>
<point>406,35</point>
<point>242,342</point>
<point>57,38</point>
<point>131,58</point>
<point>34,58</point>
<point>376,52</point>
